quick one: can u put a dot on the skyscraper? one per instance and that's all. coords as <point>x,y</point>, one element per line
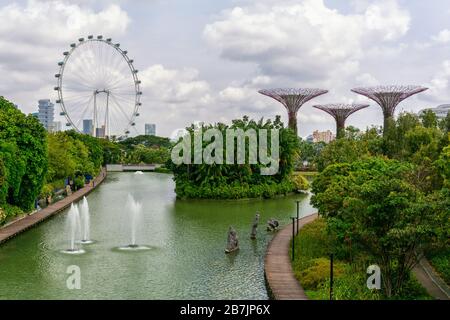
<point>88,126</point>
<point>100,132</point>
<point>46,113</point>
<point>150,129</point>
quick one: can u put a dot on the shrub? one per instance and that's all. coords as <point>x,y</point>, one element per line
<point>318,272</point>
<point>299,181</point>
<point>79,182</point>
<point>162,170</point>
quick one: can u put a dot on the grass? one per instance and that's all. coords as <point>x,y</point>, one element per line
<point>440,260</point>
<point>312,268</point>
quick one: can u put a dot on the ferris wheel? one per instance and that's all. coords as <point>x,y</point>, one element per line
<point>98,88</point>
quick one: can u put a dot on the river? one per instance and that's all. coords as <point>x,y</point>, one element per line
<point>186,259</point>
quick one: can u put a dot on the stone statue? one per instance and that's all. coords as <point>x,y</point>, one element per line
<point>255,226</point>
<point>233,242</point>
<point>272,225</point>
<point>68,190</point>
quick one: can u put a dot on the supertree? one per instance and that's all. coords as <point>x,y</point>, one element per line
<point>293,99</point>
<point>388,98</point>
<point>340,112</point>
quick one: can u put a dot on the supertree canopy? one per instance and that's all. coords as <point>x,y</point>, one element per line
<point>340,113</point>
<point>388,97</point>
<point>293,99</point>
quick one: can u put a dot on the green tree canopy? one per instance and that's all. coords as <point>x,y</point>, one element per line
<point>24,145</point>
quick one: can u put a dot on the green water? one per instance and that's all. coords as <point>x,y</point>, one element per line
<point>187,241</point>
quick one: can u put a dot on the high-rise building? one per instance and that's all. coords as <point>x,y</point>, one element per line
<point>324,136</point>
<point>88,126</point>
<point>150,129</point>
<point>100,132</point>
<point>46,113</point>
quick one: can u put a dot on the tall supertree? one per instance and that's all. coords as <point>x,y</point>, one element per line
<point>293,99</point>
<point>340,113</point>
<point>388,98</point>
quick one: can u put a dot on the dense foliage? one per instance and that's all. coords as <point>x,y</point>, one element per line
<point>312,268</point>
<point>388,197</point>
<point>232,181</point>
<point>23,158</point>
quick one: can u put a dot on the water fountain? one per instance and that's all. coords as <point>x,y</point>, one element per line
<point>134,213</point>
<point>74,228</point>
<point>138,172</point>
<point>85,222</point>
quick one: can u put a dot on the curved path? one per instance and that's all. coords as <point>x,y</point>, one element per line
<point>277,267</point>
<point>31,220</point>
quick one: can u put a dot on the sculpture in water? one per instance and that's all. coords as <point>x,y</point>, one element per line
<point>255,226</point>
<point>233,242</point>
<point>272,225</point>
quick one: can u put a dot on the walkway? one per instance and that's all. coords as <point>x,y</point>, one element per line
<point>26,223</point>
<point>431,281</point>
<point>278,270</point>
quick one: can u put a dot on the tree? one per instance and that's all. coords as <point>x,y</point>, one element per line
<point>29,137</point>
<point>372,203</point>
<point>444,124</point>
<point>342,151</point>
<point>429,119</point>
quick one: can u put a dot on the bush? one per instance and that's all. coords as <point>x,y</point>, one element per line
<point>440,260</point>
<point>8,211</point>
<point>162,170</point>
<point>299,181</point>
<point>79,182</point>
<point>318,272</point>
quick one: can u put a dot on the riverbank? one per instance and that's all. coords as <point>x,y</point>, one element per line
<point>12,229</point>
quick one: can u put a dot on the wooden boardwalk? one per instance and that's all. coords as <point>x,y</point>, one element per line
<point>29,221</point>
<point>277,268</point>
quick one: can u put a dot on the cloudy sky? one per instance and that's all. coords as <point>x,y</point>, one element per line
<point>203,60</point>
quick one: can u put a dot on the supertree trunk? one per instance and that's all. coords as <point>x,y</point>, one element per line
<point>388,123</point>
<point>340,128</point>
<point>293,121</point>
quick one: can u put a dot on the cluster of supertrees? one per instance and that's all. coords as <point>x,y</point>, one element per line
<point>387,97</point>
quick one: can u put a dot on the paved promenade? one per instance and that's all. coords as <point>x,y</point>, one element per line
<point>278,270</point>
<point>29,221</point>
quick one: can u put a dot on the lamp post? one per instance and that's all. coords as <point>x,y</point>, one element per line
<point>293,238</point>
<point>298,214</point>
<point>331,275</point>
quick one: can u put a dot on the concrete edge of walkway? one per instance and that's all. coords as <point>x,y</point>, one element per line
<point>431,281</point>
<point>11,230</point>
<point>280,280</point>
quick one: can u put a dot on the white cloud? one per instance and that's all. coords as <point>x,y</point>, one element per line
<point>439,86</point>
<point>34,35</point>
<point>442,37</point>
<point>307,39</point>
<point>174,86</point>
